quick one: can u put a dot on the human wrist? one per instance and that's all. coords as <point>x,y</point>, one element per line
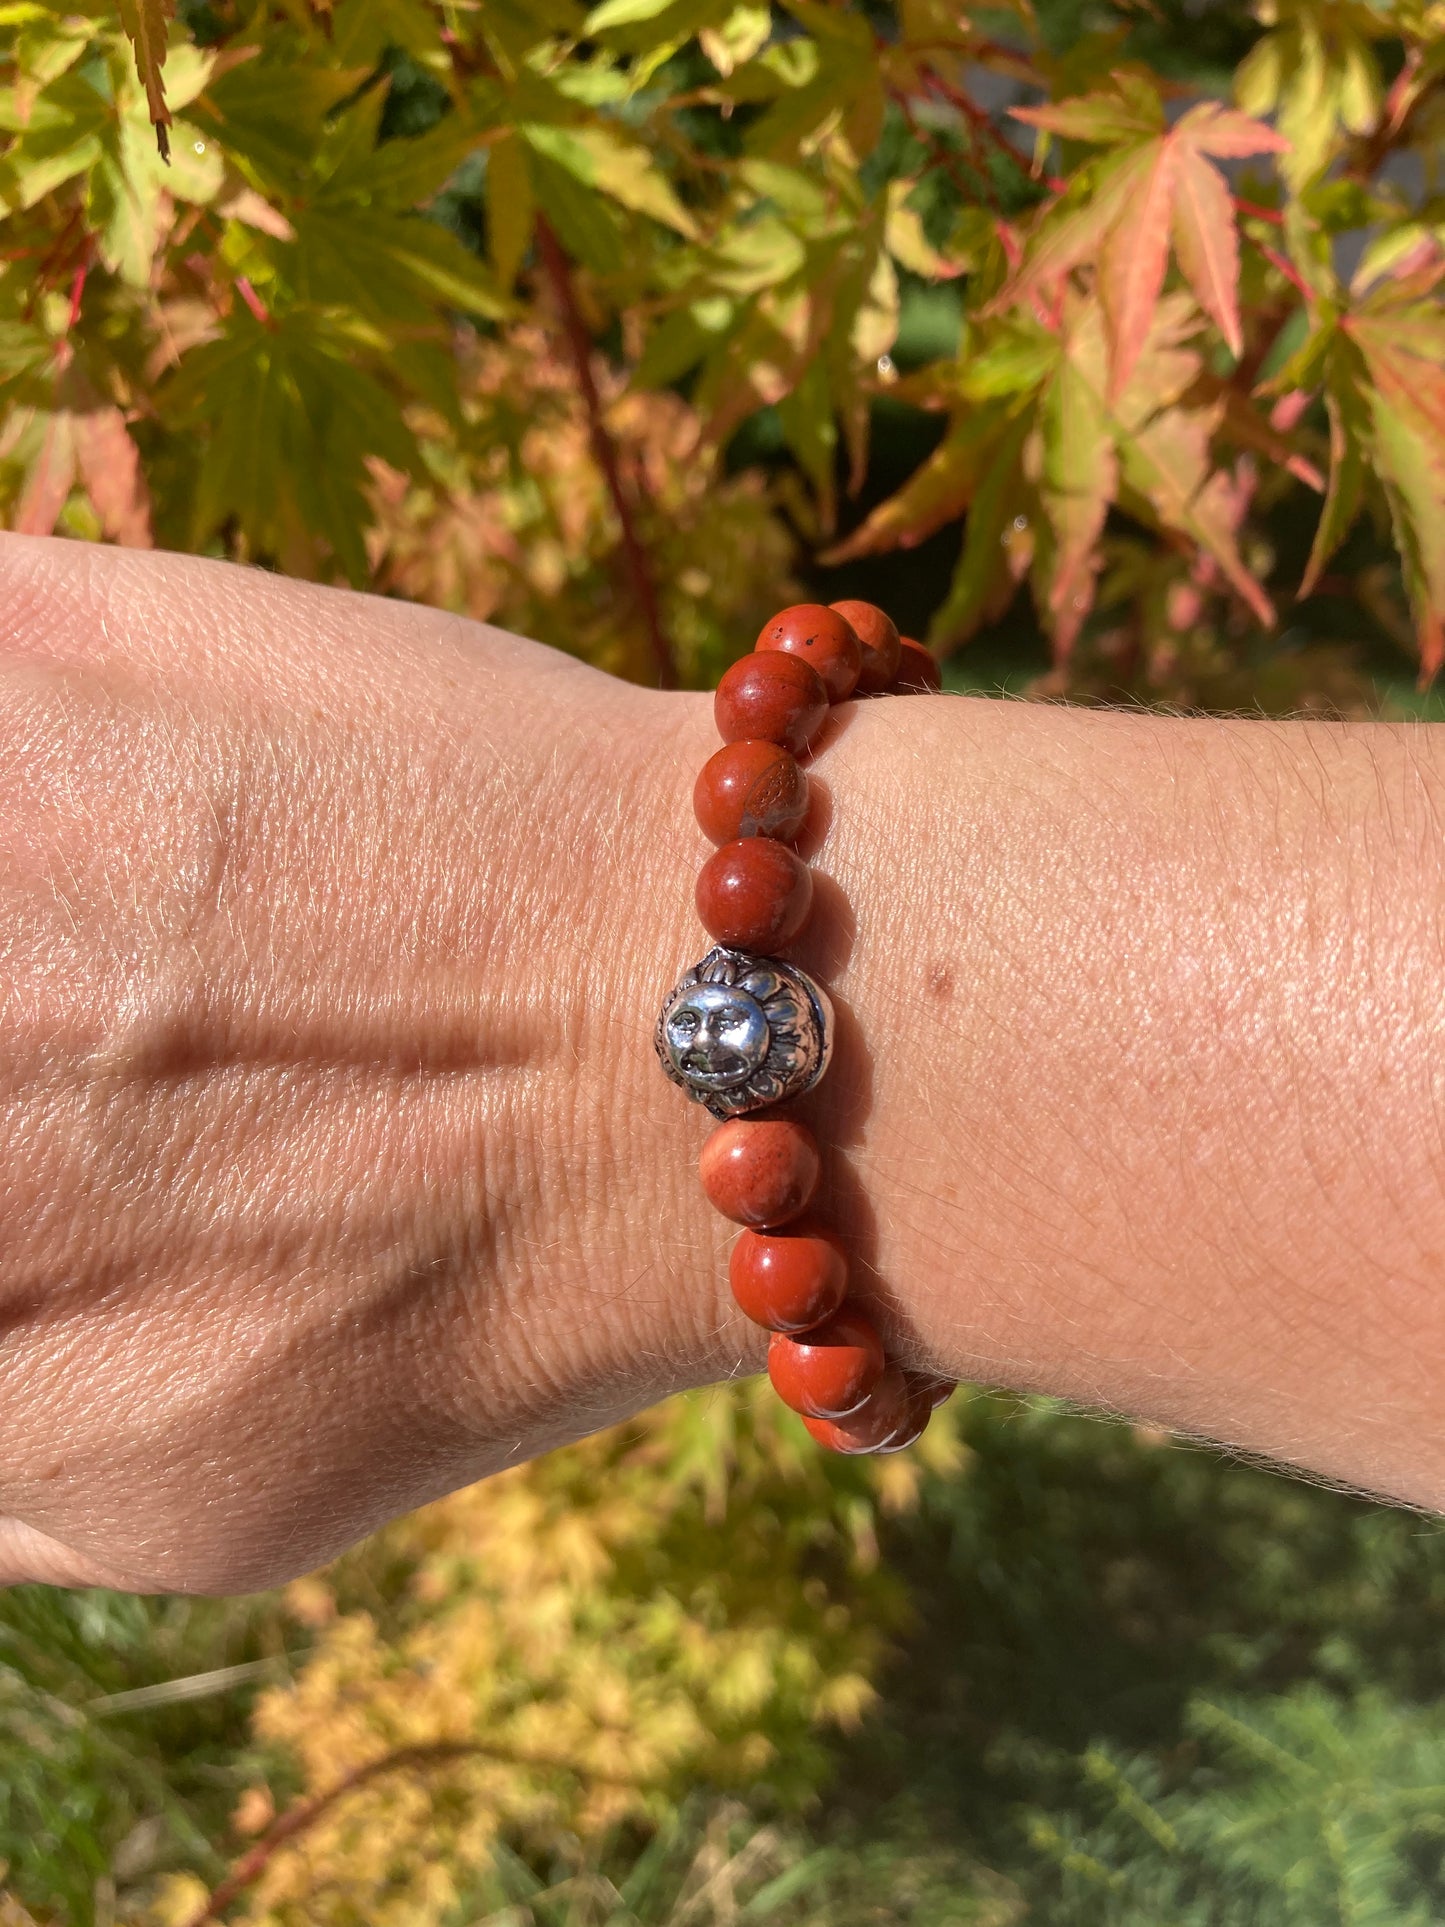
<point>1130,987</point>
<point>1087,967</point>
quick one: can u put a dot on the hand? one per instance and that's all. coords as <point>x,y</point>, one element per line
<point>336,1169</point>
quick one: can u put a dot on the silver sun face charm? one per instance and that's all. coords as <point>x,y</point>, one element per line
<point>738,1032</point>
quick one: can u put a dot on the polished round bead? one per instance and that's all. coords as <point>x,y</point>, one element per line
<point>791,1282</point>
<point>760,1171</point>
<point>771,698</point>
<point>827,1372</point>
<point>878,635</point>
<point>750,789</point>
<point>888,1412</point>
<point>754,894</point>
<point>918,670</point>
<point>918,1412</point>
<point>936,1390</point>
<point>821,637</point>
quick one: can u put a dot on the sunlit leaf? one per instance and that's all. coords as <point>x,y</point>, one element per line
<point>109,467</point>
<point>742,34</point>
<point>388,266</point>
<point>1214,129</point>
<point>588,227</point>
<point>908,243</point>
<point>511,209</point>
<point>1206,243</point>
<point>289,423</point>
<point>50,479</point>
<point>1074,234</point>
<point>1078,479</point>
<point>997,545</point>
<point>1132,260</point>
<point>602,157</point>
<point>1349,446</point>
<point>269,116</point>
<point>147,24</point>
<point>1107,119</point>
<point>1404,353</point>
<point>1167,462</point>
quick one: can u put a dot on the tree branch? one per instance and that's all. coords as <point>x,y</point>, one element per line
<point>305,1813</point>
<point>558,270</point>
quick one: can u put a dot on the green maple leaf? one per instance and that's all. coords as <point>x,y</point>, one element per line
<point>288,423</point>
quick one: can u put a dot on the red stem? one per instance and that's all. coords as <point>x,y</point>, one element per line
<point>639,568</point>
<point>1288,270</point>
<point>983,126</point>
<point>1270,214</point>
<point>253,300</point>
<point>305,1813</point>
<point>77,295</point>
<point>942,157</point>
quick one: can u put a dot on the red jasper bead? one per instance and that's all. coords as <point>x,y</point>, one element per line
<point>760,1170</point>
<point>918,670</point>
<point>916,1416</point>
<point>771,698</point>
<point>887,1411</point>
<point>788,1283</point>
<point>821,637</point>
<point>754,894</point>
<point>829,1371</point>
<point>878,634</point>
<point>936,1390</point>
<point>750,789</point>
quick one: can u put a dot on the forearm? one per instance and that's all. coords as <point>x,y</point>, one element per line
<point>338,1169</point>
<point>1138,1093</point>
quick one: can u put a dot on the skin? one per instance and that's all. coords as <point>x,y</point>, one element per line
<point>337,1170</point>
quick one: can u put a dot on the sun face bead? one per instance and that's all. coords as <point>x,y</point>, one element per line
<point>739,1033</point>
<point>827,1372</point>
<point>918,670</point>
<point>788,1282</point>
<point>754,894</point>
<point>821,637</point>
<point>760,1171</point>
<point>878,635</point>
<point>750,789</point>
<point>771,698</point>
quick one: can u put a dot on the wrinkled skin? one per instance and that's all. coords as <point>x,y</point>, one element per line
<point>310,1038</point>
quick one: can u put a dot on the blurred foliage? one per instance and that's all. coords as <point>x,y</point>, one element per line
<point>1105,338</point>
<point>1059,1670</point>
<point>407,259</point>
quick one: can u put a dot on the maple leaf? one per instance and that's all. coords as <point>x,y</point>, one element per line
<point>998,545</point>
<point>109,465</point>
<point>1348,412</point>
<point>1168,464</point>
<point>1167,473</point>
<point>1164,189</point>
<point>936,493</point>
<point>1132,259</point>
<point>146,23</point>
<point>50,479</point>
<point>1078,480</point>
<point>1404,353</point>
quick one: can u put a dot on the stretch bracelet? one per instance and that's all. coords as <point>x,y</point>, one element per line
<point>744,1031</point>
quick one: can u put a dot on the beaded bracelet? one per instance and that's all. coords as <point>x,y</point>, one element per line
<point>743,1030</point>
